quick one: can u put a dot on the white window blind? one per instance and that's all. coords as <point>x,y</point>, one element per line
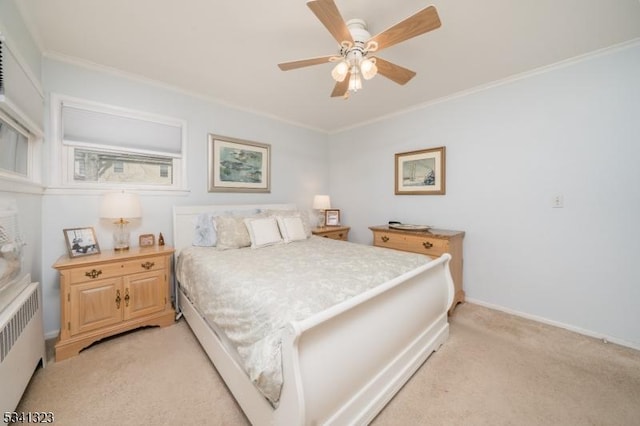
<point>87,127</point>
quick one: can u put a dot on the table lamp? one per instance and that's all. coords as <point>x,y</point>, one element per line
<point>120,206</point>
<point>321,203</point>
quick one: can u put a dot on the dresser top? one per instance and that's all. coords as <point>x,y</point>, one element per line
<point>432,232</point>
<point>111,255</point>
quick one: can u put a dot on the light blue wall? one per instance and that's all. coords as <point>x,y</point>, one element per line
<point>12,25</point>
<point>572,130</point>
<point>298,162</point>
<point>29,202</point>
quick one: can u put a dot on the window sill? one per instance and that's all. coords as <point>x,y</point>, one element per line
<point>53,190</point>
<point>20,186</point>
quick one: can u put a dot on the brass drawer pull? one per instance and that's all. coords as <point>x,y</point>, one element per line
<point>126,297</point>
<point>118,299</point>
<point>148,265</point>
<point>384,238</point>
<point>94,273</point>
<point>427,244</point>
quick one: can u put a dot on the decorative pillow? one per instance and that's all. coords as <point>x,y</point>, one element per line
<point>304,216</point>
<point>291,228</point>
<point>263,231</point>
<point>232,232</point>
<point>205,233</point>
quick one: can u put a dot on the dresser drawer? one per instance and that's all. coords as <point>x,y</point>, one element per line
<point>116,269</point>
<point>413,243</point>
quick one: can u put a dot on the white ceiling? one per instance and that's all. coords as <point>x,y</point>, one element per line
<point>229,50</point>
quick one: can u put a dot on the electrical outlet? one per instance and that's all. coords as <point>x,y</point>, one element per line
<point>557,202</point>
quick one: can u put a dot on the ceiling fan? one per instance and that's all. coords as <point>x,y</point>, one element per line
<point>355,61</point>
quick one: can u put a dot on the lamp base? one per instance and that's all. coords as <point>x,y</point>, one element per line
<point>121,236</point>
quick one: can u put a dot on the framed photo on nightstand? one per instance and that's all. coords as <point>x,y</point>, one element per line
<point>332,217</point>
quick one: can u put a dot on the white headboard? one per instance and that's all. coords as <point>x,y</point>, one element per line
<point>184,219</point>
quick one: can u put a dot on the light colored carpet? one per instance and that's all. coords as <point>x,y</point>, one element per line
<point>495,369</point>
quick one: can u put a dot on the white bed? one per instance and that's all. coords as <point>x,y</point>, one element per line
<point>328,376</point>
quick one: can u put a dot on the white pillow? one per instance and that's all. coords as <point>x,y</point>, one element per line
<point>263,231</point>
<point>287,213</point>
<point>291,228</point>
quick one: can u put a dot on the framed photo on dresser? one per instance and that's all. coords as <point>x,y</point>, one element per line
<point>81,241</point>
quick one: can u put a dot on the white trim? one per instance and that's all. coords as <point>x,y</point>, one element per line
<point>20,186</point>
<point>57,190</point>
<point>34,156</point>
<point>60,152</point>
<point>52,334</point>
<point>605,338</point>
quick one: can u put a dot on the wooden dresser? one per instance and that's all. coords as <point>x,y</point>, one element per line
<point>106,294</point>
<point>334,232</point>
<point>433,242</point>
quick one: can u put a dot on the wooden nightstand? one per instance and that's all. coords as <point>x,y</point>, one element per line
<point>106,294</point>
<point>333,232</point>
<point>433,243</point>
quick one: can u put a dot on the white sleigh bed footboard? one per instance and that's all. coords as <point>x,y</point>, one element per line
<point>344,364</point>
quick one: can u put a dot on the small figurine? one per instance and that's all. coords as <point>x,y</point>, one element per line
<point>160,240</point>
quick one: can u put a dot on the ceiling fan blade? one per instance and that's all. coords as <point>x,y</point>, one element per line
<point>419,23</point>
<point>394,72</point>
<point>341,87</point>
<point>286,66</point>
<point>327,12</point>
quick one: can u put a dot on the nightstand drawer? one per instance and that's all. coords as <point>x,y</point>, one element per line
<point>333,232</point>
<point>116,269</point>
<point>417,244</point>
<point>336,235</point>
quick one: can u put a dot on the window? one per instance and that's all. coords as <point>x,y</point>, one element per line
<point>14,145</point>
<point>104,146</point>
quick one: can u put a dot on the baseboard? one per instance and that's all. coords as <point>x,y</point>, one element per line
<point>558,324</point>
<point>55,333</point>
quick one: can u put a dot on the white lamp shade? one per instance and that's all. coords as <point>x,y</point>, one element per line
<point>120,205</point>
<point>321,202</point>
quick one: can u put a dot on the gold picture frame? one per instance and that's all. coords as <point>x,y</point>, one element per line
<point>237,165</point>
<point>81,241</point>
<point>420,172</point>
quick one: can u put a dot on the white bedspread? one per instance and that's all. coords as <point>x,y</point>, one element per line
<point>251,294</point>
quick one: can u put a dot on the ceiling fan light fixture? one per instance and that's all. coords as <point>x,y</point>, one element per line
<point>339,72</point>
<point>355,82</point>
<point>368,68</point>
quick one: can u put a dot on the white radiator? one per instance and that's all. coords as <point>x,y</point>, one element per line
<point>21,344</point>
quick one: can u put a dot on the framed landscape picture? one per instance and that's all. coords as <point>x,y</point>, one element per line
<point>238,166</point>
<point>420,172</point>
